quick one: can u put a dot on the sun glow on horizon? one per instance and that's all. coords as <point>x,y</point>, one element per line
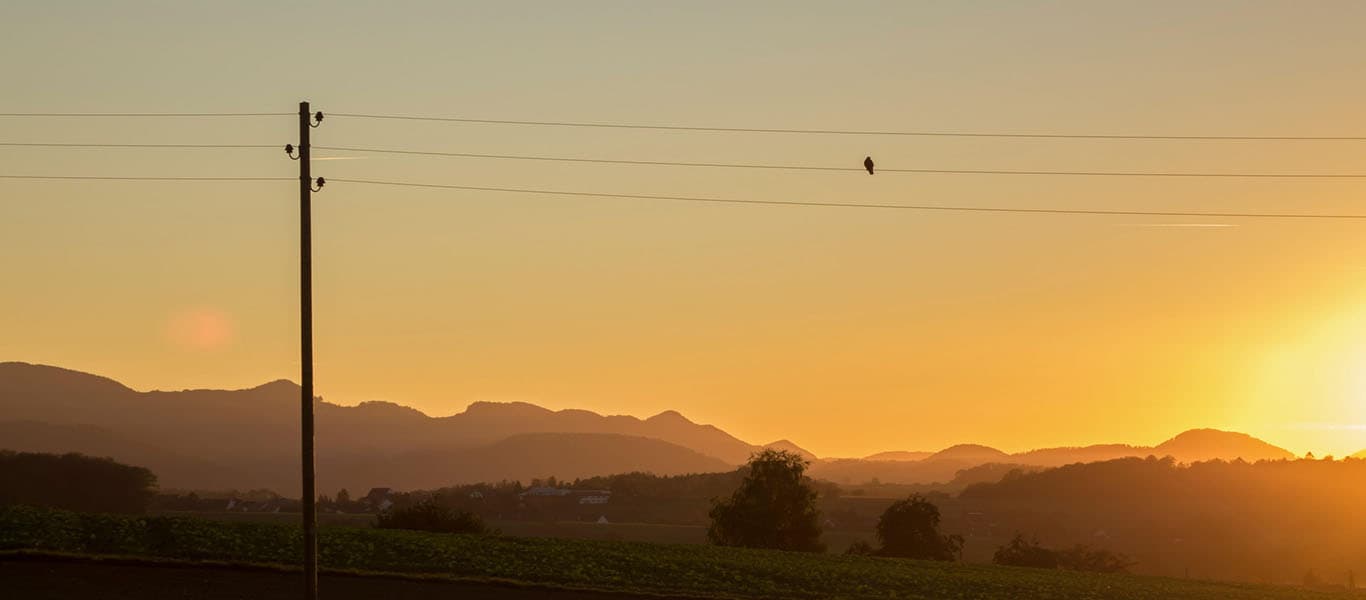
<point>1311,388</point>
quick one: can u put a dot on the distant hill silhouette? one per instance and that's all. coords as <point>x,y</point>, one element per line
<point>1192,446</point>
<point>939,467</point>
<point>901,455</point>
<point>249,439</point>
<point>788,446</point>
<point>1056,457</point>
<point>486,422</point>
<point>855,471</point>
<point>1206,444</point>
<point>521,457</point>
<point>188,472</point>
<point>973,453</point>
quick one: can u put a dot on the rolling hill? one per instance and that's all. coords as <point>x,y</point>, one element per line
<point>787,446</point>
<point>185,471</point>
<point>942,467</point>
<point>248,439</point>
<point>903,455</point>
<point>1207,444</point>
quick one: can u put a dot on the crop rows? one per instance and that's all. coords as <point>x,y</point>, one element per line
<point>627,566</point>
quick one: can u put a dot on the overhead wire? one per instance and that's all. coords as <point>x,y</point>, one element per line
<point>111,146</point>
<point>628,162</point>
<point>841,169</point>
<point>154,115</point>
<point>861,205</point>
<point>918,133</point>
<point>661,127</point>
<point>135,178</point>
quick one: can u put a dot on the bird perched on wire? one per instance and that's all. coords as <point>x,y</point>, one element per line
<point>868,164</point>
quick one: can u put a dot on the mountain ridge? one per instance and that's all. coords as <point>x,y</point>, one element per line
<point>254,430</point>
<point>899,455</point>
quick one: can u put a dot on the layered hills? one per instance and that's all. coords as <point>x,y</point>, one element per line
<point>246,439</point>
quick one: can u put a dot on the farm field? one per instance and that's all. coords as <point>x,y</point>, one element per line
<point>45,578</point>
<point>286,518</point>
<point>677,569</point>
<point>654,533</point>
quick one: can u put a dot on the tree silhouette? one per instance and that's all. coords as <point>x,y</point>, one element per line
<point>775,507</point>
<point>74,482</point>
<point>910,528</point>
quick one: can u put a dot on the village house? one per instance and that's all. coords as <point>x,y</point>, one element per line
<point>379,499</point>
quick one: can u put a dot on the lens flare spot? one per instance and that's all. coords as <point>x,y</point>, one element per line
<point>200,329</point>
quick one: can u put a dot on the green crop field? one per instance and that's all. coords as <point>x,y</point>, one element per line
<point>286,518</point>
<point>836,541</point>
<point>683,569</point>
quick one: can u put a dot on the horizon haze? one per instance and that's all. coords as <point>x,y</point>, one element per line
<point>190,438</point>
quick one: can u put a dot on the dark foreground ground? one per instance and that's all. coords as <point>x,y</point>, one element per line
<point>53,579</point>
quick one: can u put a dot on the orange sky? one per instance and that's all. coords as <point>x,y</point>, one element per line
<point>847,331</point>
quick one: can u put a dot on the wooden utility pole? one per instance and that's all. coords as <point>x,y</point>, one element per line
<point>309,496</point>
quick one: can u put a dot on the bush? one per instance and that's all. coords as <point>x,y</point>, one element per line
<point>1097,560</point>
<point>430,515</point>
<point>1025,553</point>
<point>1029,553</point>
<point>860,548</point>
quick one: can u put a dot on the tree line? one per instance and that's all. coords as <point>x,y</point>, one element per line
<point>775,506</point>
<point>74,482</point>
<point>1269,521</point>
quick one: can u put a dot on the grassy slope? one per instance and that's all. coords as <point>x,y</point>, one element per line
<point>627,566</point>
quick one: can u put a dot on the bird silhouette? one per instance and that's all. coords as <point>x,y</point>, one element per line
<point>868,164</point>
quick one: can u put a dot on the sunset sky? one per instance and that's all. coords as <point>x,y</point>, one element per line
<point>847,331</point>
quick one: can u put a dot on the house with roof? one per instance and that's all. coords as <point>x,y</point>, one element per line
<point>379,499</point>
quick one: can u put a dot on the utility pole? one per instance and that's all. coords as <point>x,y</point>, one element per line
<point>309,496</point>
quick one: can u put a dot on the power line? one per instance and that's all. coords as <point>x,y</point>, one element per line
<point>97,146</point>
<point>135,115</point>
<point>844,169</point>
<point>922,133</point>
<point>124,178</point>
<point>966,134</point>
<point>918,207</point>
<point>702,164</point>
